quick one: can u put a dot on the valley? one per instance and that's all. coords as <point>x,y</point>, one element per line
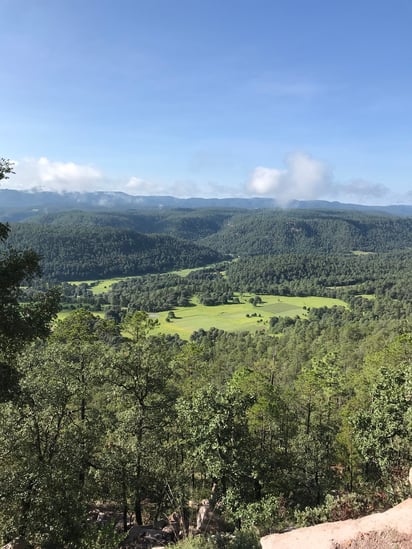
<point>259,359</point>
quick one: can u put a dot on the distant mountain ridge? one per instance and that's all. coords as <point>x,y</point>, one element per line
<point>19,205</point>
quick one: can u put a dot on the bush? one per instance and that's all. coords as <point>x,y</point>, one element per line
<point>105,537</point>
<point>241,539</point>
<point>198,542</point>
<point>343,507</point>
<point>264,517</point>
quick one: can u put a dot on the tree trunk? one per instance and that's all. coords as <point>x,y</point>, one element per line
<point>138,507</point>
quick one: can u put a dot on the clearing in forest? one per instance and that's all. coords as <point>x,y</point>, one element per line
<point>239,317</point>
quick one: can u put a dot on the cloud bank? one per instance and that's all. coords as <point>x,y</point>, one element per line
<point>47,175</point>
<point>306,178</point>
<point>303,177</point>
<point>43,174</point>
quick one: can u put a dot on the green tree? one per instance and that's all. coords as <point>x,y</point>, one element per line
<point>143,405</point>
<point>20,323</point>
<point>381,413</point>
<point>52,432</point>
<point>6,168</point>
<point>42,451</point>
<point>216,436</point>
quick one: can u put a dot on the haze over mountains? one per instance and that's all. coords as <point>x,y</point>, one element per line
<point>20,205</point>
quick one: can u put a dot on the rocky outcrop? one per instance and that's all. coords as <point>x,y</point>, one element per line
<point>390,529</point>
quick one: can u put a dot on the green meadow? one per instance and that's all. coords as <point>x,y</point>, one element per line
<point>238,317</point>
<point>100,286</point>
<point>235,317</point>
<point>61,315</point>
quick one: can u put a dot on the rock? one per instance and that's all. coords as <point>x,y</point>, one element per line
<point>170,532</point>
<point>203,513</point>
<point>145,537</point>
<point>370,532</point>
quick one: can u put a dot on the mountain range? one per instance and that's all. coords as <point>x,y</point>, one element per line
<point>21,205</point>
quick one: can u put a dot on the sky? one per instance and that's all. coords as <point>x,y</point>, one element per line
<point>290,99</point>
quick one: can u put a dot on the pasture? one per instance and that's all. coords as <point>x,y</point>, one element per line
<point>61,315</point>
<point>103,285</point>
<point>100,286</point>
<point>239,317</point>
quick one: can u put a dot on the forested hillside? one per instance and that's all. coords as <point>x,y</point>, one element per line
<point>306,232</point>
<point>82,245</point>
<point>76,252</point>
<point>183,223</point>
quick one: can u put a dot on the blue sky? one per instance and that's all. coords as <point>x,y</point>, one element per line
<point>283,98</point>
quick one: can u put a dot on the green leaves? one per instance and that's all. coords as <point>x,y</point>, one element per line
<point>6,168</point>
<point>381,423</point>
<point>19,323</point>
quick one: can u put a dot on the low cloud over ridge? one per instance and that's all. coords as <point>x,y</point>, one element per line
<point>47,175</point>
<point>302,178</point>
<point>306,178</point>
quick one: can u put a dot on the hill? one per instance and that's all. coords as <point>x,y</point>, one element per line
<point>267,232</point>
<point>82,252</point>
<point>78,245</point>
<point>186,223</point>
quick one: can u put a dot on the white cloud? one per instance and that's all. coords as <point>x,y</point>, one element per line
<point>43,174</point>
<point>305,178</point>
<point>135,185</point>
<point>302,178</point>
<point>47,175</point>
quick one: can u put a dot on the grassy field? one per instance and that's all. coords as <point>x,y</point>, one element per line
<point>101,286</point>
<point>64,314</point>
<point>234,317</point>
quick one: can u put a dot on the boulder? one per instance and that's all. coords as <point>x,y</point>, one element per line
<point>145,537</point>
<point>392,528</point>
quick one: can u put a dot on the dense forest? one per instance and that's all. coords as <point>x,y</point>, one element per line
<point>85,245</point>
<point>306,421</point>
<point>82,252</point>
<point>280,231</point>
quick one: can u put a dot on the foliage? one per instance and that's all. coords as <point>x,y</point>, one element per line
<point>6,168</point>
<point>104,537</point>
<point>240,539</point>
<point>82,252</point>
<point>382,425</point>
<point>341,507</point>
<point>306,232</point>
<point>196,542</point>
<point>306,420</point>
<point>20,323</point>
<point>265,516</point>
